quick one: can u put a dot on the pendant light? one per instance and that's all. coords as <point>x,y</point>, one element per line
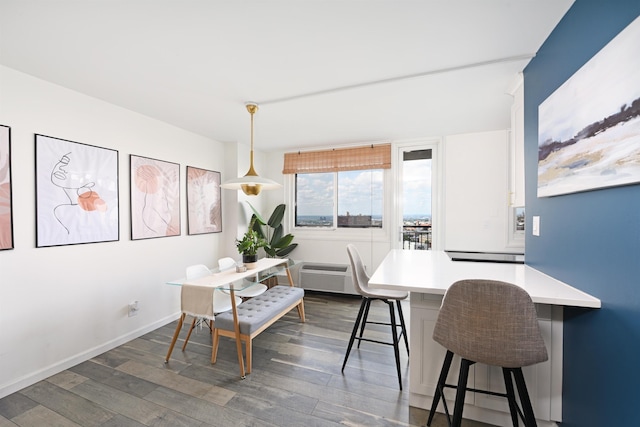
<point>251,183</point>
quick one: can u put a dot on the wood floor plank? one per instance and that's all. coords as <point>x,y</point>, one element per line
<point>6,423</point>
<point>15,404</point>
<point>179,383</point>
<point>41,416</point>
<point>352,417</point>
<point>69,405</point>
<point>119,402</point>
<point>66,379</point>
<point>203,411</point>
<point>114,378</point>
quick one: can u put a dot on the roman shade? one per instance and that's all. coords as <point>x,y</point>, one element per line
<point>339,159</point>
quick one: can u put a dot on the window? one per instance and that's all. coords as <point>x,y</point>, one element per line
<point>339,188</point>
<point>516,221</point>
<point>519,220</point>
<point>346,199</point>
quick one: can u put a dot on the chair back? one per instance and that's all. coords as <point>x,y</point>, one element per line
<point>490,322</point>
<point>197,271</point>
<point>359,275</point>
<point>226,263</point>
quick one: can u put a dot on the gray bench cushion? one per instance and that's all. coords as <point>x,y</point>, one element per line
<point>257,311</point>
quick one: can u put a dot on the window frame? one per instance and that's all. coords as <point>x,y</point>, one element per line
<point>370,233</point>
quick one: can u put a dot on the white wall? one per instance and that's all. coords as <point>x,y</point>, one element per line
<point>62,305</point>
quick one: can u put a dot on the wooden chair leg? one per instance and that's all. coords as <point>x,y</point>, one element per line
<point>175,337</point>
<point>186,340</point>
<point>214,346</point>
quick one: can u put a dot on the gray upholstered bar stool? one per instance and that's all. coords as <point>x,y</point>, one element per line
<point>361,284</point>
<point>494,323</point>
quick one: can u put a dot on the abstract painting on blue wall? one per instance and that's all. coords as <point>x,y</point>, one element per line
<point>589,128</point>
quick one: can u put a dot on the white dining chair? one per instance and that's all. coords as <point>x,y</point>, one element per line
<point>221,302</point>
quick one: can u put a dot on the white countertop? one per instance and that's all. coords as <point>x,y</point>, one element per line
<point>432,272</point>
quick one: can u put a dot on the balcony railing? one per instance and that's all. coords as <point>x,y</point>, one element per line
<point>416,237</point>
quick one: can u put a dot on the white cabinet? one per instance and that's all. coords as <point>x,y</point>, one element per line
<point>476,175</point>
<point>544,380</point>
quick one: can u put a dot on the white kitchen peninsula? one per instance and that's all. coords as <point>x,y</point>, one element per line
<point>427,275</point>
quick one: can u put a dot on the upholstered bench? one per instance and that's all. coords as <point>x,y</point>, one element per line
<point>257,314</point>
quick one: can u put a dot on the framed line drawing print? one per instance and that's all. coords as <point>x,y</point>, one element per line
<point>155,198</point>
<point>589,128</point>
<point>6,209</point>
<point>76,193</point>
<point>204,212</point>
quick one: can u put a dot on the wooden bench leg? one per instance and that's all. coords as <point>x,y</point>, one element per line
<point>301,311</point>
<point>301,305</point>
<point>175,337</point>
<point>248,346</point>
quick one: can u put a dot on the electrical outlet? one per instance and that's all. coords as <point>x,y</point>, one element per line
<point>133,309</point>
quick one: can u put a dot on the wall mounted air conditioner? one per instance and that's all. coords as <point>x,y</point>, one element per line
<point>326,277</point>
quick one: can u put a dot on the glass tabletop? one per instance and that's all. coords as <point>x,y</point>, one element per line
<point>231,279</point>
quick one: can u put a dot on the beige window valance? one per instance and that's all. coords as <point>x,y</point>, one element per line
<point>339,159</point>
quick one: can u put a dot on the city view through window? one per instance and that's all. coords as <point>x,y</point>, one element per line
<point>416,200</point>
<point>358,200</point>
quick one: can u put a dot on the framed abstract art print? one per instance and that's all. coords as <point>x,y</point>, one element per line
<point>204,213</point>
<point>76,193</point>
<point>155,198</point>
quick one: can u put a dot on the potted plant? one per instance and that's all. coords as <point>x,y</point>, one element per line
<point>276,244</point>
<point>248,246</point>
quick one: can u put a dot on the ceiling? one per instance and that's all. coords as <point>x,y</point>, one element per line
<point>322,71</point>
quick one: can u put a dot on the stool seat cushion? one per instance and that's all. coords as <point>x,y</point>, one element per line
<point>257,311</point>
<point>490,322</point>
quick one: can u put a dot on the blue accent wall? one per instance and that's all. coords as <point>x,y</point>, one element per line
<point>590,240</point>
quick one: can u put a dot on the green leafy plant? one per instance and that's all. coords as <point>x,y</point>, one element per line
<point>277,244</point>
<point>250,242</point>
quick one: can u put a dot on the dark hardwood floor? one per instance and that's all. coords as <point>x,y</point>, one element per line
<point>296,380</point>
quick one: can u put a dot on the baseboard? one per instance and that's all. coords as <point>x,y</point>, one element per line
<point>32,378</point>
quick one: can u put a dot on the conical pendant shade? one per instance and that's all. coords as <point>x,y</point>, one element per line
<point>251,184</point>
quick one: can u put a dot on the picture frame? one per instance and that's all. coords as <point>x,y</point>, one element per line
<point>589,128</point>
<point>6,207</point>
<point>204,210</point>
<point>77,198</point>
<point>155,198</point>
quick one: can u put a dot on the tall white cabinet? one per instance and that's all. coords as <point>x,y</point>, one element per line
<point>476,188</point>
